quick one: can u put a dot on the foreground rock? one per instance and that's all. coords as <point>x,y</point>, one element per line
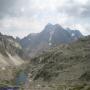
<point>66,67</point>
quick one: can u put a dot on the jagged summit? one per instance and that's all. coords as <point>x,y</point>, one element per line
<point>51,35</point>
<point>10,51</point>
<point>52,27</point>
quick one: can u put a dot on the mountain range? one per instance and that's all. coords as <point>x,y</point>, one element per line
<point>15,51</point>
<point>55,55</point>
<point>51,36</point>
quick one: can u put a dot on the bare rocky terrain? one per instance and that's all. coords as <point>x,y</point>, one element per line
<point>51,36</point>
<point>11,59</point>
<point>66,67</point>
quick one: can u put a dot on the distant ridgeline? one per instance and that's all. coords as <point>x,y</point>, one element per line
<point>52,35</point>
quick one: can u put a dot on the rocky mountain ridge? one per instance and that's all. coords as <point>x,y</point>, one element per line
<point>66,67</point>
<point>51,36</point>
<point>11,52</point>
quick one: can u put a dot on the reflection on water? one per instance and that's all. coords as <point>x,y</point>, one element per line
<point>21,78</point>
<point>9,88</point>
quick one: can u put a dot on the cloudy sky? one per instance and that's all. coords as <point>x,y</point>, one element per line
<point>21,17</point>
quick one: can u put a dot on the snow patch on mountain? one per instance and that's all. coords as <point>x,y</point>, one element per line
<point>73,34</point>
<point>50,38</point>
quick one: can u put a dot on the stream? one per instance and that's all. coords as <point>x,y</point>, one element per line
<point>21,78</point>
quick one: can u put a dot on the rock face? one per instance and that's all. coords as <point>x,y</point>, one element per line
<point>11,52</point>
<point>11,58</point>
<point>66,67</point>
<point>51,36</point>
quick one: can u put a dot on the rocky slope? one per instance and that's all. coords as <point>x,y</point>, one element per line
<point>11,52</point>
<point>51,36</point>
<point>11,59</point>
<point>66,67</point>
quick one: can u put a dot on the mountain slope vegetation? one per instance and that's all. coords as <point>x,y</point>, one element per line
<point>65,66</point>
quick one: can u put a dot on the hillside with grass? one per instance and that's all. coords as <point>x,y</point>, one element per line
<point>66,67</point>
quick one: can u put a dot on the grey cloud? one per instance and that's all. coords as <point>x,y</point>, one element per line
<point>11,7</point>
<point>86,11</point>
<point>76,10</point>
<point>72,10</point>
<point>5,6</point>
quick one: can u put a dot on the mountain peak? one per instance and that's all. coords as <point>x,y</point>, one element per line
<point>53,25</point>
<point>57,25</point>
<point>49,25</point>
<point>52,35</point>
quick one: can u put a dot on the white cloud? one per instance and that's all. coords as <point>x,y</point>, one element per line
<point>32,15</point>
